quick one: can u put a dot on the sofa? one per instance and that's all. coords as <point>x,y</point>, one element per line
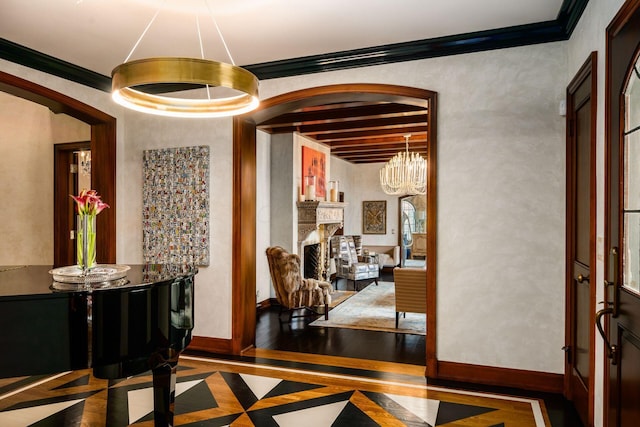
<point>388,256</point>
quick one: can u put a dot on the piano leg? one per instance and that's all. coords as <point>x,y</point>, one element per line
<point>164,391</point>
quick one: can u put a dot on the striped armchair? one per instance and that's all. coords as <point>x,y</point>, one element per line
<point>410,290</point>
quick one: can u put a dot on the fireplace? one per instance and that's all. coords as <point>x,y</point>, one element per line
<point>317,223</point>
<point>312,260</point>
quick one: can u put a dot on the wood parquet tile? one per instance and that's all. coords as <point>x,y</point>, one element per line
<point>217,392</point>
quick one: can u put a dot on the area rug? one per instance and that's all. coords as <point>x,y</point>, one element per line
<point>373,308</point>
<point>338,297</point>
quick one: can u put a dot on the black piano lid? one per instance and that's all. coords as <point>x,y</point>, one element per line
<point>33,280</point>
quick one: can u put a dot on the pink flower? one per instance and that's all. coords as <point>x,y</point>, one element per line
<point>89,203</point>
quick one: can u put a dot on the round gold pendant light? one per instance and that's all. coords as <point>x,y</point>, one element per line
<point>137,84</point>
<point>191,71</point>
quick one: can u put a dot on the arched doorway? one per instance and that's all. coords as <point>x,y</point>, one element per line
<point>244,190</point>
<point>103,174</point>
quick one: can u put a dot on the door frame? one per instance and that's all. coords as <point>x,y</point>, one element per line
<point>64,212</point>
<point>244,191</point>
<point>586,72</point>
<point>619,51</point>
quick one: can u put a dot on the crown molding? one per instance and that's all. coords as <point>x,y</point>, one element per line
<point>542,32</point>
<point>22,55</point>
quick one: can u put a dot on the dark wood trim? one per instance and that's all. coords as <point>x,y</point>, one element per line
<point>103,180</point>
<point>244,195</point>
<point>501,377</point>
<point>210,345</point>
<point>618,52</point>
<point>432,236</point>
<point>263,305</point>
<point>244,235</point>
<point>588,71</point>
<point>521,35</point>
<point>103,147</point>
<point>23,55</point>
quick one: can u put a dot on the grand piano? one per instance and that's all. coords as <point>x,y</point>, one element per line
<point>140,323</point>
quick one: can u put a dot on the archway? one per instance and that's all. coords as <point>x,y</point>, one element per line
<point>244,190</point>
<point>103,147</point>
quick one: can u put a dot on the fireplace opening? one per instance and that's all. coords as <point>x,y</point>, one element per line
<point>312,259</point>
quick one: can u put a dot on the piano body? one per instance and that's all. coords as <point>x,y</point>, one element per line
<point>117,331</point>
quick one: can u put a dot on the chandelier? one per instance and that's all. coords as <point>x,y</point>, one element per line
<point>131,83</point>
<point>405,173</point>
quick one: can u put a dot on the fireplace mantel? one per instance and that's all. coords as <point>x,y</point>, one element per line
<point>313,214</point>
<point>324,217</point>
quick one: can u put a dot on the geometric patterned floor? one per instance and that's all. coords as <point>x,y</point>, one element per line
<point>212,392</point>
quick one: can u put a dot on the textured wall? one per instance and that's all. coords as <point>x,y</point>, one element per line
<point>145,132</point>
<point>501,197</point>
<point>360,183</point>
<point>263,215</point>
<point>27,134</point>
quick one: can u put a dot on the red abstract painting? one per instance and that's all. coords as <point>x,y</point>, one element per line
<point>314,164</point>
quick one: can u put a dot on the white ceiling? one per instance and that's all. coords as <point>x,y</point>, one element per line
<point>99,34</point>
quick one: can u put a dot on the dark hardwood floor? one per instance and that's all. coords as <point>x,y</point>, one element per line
<point>298,336</point>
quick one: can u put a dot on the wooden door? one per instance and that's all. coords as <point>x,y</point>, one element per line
<point>65,184</point>
<point>581,231</point>
<point>622,311</point>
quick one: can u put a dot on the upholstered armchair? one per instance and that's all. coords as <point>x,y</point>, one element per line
<point>350,266</point>
<point>292,291</point>
<point>410,290</point>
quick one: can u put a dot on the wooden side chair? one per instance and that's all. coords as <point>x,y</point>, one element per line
<point>410,290</point>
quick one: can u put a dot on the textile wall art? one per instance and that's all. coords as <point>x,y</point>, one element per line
<point>374,217</point>
<point>175,206</point>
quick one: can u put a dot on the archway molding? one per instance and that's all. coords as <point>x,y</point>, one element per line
<point>103,147</point>
<point>244,199</point>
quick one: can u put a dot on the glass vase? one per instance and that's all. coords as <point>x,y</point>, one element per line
<point>86,242</point>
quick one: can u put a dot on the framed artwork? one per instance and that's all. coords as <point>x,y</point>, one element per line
<point>374,217</point>
<point>314,164</point>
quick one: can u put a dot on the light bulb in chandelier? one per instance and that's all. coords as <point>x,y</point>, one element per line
<point>405,173</point>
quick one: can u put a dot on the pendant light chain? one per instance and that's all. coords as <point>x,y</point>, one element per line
<point>224,43</point>
<point>135,46</point>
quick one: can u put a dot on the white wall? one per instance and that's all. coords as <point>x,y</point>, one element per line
<point>361,182</point>
<point>264,289</point>
<point>589,36</point>
<point>26,174</point>
<point>501,196</point>
<point>145,132</point>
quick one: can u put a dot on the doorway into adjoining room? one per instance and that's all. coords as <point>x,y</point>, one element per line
<point>314,103</point>
<point>413,228</point>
